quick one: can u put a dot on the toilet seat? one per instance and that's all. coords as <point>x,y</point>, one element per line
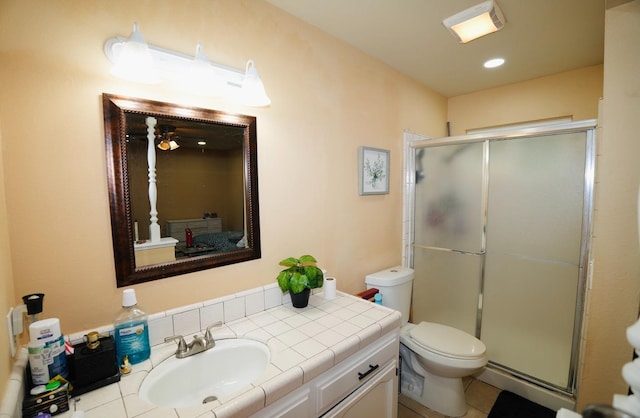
<point>447,341</point>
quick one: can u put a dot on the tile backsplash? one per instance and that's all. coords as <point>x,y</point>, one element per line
<point>185,321</point>
<point>192,319</point>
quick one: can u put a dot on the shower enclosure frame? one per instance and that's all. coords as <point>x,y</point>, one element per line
<point>414,142</point>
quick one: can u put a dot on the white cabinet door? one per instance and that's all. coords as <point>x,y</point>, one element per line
<point>377,398</point>
<point>346,377</point>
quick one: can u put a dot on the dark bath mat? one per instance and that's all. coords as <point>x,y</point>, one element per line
<point>510,405</point>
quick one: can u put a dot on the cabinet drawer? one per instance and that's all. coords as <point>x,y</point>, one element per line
<point>295,405</point>
<point>376,398</point>
<point>355,371</point>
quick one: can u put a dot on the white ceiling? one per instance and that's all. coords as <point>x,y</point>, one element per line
<point>541,37</point>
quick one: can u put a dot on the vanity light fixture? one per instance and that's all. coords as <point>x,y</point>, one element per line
<point>253,92</point>
<point>135,60</point>
<point>201,78</point>
<point>476,21</point>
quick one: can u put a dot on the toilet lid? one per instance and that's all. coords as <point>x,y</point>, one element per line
<point>446,340</point>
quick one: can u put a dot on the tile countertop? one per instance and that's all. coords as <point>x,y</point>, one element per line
<point>303,342</point>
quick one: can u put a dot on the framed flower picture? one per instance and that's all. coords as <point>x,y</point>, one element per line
<point>373,171</point>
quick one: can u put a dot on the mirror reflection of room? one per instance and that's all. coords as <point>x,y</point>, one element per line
<point>171,184</point>
<point>199,185</point>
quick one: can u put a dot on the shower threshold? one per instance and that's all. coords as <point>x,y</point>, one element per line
<point>538,392</point>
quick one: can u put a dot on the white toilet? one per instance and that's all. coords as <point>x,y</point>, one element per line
<point>435,357</point>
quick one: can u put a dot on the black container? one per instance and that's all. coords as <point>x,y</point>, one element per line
<point>300,300</point>
<point>90,369</point>
<point>52,402</point>
<point>34,303</point>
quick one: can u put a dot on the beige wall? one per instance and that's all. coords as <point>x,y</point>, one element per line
<point>6,278</point>
<point>327,100</point>
<point>572,94</point>
<point>615,287</point>
<point>612,301</point>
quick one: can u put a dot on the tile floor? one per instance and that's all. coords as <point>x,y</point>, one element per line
<point>480,399</point>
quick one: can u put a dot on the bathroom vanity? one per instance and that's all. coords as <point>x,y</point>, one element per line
<point>334,358</point>
<point>364,385</point>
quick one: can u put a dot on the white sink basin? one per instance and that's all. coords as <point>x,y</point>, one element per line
<point>221,371</point>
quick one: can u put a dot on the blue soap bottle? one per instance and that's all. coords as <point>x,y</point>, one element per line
<point>131,331</point>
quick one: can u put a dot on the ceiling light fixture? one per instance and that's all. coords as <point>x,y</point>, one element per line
<point>167,135</point>
<point>135,60</point>
<point>164,145</point>
<point>476,21</point>
<point>168,145</point>
<point>493,63</point>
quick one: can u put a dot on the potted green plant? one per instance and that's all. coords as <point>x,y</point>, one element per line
<point>300,276</point>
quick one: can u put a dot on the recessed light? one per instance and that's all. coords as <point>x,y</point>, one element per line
<point>494,62</point>
<point>202,143</point>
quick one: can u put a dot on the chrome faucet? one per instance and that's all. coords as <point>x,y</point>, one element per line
<point>197,345</point>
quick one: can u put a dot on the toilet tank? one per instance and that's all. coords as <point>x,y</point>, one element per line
<point>395,285</point>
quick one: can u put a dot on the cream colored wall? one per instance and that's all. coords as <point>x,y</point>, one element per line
<point>572,93</point>
<point>615,287</point>
<point>612,302</point>
<point>6,278</point>
<point>327,100</point>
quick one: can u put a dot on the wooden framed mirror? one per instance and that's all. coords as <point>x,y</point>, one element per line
<point>204,187</point>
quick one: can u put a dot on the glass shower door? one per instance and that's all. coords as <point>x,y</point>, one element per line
<point>448,240</point>
<point>500,243</point>
<point>532,266</point>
